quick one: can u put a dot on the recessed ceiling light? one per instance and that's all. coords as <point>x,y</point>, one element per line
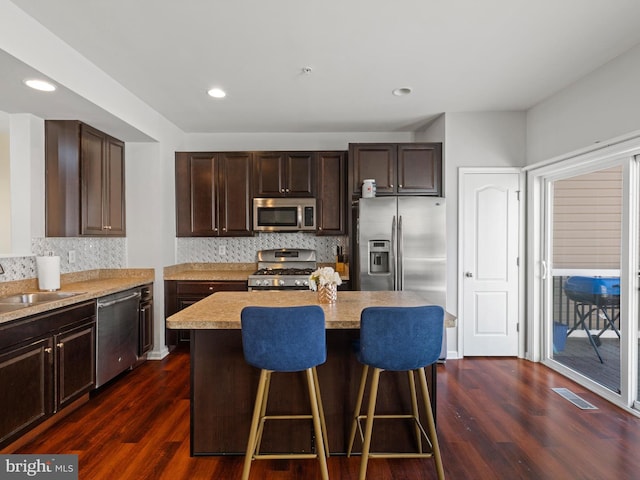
<point>217,93</point>
<point>401,92</point>
<point>41,85</point>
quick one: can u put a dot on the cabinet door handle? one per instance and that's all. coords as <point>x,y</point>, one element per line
<point>60,345</point>
<point>106,227</point>
<point>48,350</point>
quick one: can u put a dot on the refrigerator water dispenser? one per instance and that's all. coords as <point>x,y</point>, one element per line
<point>379,256</point>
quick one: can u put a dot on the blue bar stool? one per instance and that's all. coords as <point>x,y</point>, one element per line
<point>285,339</point>
<point>398,339</point>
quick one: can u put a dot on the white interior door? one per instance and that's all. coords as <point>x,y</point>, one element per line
<point>489,273</point>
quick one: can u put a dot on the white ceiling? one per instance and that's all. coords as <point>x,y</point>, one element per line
<point>456,56</point>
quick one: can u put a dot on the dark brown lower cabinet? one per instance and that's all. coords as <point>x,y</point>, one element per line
<point>179,294</point>
<point>75,362</point>
<point>26,376</point>
<point>145,333</point>
<point>46,362</point>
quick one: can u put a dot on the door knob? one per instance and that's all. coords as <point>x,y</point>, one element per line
<point>468,274</point>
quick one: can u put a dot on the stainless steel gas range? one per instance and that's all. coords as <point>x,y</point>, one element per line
<point>283,269</point>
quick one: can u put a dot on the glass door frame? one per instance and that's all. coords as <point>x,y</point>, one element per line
<point>539,278</point>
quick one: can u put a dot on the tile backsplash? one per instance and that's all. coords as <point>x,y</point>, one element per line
<point>96,253</point>
<point>243,249</point>
<point>90,253</point>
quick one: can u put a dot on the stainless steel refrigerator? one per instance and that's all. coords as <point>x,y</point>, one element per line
<point>402,245</point>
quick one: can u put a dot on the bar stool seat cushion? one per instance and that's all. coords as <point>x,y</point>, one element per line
<point>284,339</point>
<point>400,339</point>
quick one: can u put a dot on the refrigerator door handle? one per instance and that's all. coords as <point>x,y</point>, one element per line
<point>400,261</point>
<point>394,252</point>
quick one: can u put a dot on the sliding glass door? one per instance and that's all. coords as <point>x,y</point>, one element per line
<point>585,271</point>
<point>585,219</point>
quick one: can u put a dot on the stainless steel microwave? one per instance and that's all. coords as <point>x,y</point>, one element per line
<point>284,214</point>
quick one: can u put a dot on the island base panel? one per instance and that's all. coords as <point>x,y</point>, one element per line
<point>223,390</point>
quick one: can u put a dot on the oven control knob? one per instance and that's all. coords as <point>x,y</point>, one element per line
<point>298,283</point>
<point>258,283</point>
<point>281,283</point>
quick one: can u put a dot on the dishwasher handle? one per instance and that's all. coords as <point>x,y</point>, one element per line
<point>101,304</point>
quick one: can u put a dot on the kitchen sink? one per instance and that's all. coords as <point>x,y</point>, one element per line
<point>34,298</point>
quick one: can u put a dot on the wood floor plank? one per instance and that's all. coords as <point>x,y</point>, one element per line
<point>497,418</point>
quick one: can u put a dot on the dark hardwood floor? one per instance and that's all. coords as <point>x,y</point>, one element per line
<point>497,419</point>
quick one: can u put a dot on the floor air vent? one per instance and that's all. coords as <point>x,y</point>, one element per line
<point>575,399</point>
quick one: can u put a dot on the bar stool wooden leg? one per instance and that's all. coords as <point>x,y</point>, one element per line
<point>323,422</point>
<point>315,412</point>
<point>433,436</point>
<point>414,410</point>
<point>255,420</point>
<point>263,412</point>
<point>366,446</point>
<point>356,413</point>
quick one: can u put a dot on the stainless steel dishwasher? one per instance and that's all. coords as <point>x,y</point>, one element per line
<point>117,334</point>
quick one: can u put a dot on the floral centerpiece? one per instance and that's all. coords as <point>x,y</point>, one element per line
<point>325,280</point>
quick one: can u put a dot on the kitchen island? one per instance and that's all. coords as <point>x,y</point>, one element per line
<point>223,385</point>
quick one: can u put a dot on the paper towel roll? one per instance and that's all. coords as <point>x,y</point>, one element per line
<point>48,273</point>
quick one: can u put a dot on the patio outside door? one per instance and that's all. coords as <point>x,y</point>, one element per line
<point>589,270</point>
<point>584,256</point>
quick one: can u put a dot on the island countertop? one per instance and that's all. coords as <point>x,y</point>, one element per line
<point>222,309</point>
<point>223,384</point>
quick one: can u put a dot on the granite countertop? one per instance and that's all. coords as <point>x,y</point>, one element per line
<point>210,271</point>
<point>221,310</point>
<point>90,284</point>
<point>220,271</point>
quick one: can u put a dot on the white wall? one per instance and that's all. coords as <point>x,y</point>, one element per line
<point>601,106</point>
<point>488,139</point>
<point>199,142</point>
<point>26,154</point>
<point>5,194</point>
<point>150,221</point>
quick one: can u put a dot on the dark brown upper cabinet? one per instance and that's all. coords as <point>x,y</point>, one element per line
<point>213,194</point>
<point>331,193</point>
<point>284,174</point>
<point>85,181</point>
<point>398,168</point>
<point>102,187</point>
